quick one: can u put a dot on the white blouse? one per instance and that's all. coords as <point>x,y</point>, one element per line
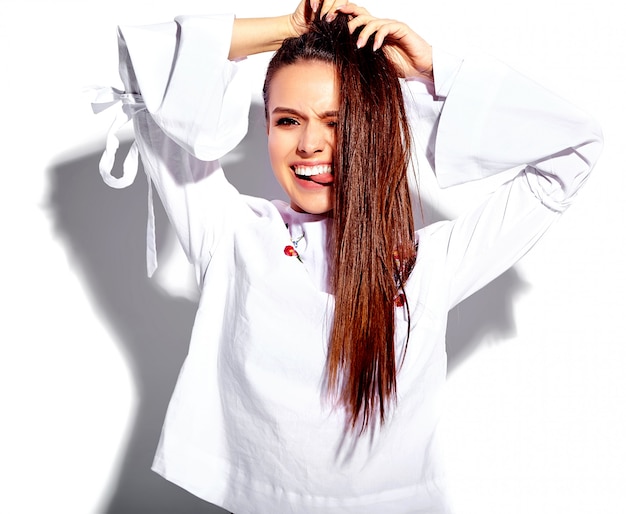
<point>247,427</point>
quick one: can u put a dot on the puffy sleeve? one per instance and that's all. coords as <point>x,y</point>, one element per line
<point>189,108</point>
<point>487,118</point>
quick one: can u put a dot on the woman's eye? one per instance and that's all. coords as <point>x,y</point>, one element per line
<point>332,124</point>
<point>286,121</point>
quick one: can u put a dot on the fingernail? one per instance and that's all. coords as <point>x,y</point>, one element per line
<point>315,6</point>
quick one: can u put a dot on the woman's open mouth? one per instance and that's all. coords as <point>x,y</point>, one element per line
<point>320,173</point>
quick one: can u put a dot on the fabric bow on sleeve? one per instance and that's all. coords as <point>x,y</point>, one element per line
<point>168,72</point>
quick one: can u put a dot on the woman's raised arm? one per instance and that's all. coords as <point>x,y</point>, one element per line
<point>257,35</point>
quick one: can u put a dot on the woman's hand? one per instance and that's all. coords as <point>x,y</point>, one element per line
<point>408,51</point>
<point>301,17</point>
<point>307,9</point>
<point>256,35</point>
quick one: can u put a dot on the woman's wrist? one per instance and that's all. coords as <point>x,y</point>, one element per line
<point>257,35</point>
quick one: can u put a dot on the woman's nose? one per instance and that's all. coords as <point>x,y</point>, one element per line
<point>311,140</point>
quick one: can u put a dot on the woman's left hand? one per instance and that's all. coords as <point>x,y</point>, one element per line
<point>411,54</point>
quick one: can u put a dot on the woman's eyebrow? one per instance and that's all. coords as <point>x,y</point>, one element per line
<point>286,110</point>
<point>294,112</point>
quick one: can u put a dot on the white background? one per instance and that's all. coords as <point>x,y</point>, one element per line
<point>90,349</point>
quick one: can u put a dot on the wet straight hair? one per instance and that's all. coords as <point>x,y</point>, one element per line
<point>371,244</point>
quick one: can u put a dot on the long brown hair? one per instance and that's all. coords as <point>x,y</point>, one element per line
<point>371,245</point>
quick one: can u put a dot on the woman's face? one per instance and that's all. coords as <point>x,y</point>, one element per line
<point>302,115</point>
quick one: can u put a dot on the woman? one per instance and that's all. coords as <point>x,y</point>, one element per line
<point>317,358</point>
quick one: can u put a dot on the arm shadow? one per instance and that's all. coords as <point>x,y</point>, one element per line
<point>103,233</point>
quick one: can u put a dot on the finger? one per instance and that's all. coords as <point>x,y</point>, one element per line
<point>382,28</point>
<point>353,9</point>
<point>350,8</point>
<point>380,36</point>
<point>358,21</point>
<point>358,16</point>
<point>328,7</point>
<point>333,7</point>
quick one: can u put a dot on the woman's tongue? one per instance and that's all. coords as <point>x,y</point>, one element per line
<point>322,178</point>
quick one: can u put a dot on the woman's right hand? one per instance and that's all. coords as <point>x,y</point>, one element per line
<point>256,35</point>
<point>301,17</point>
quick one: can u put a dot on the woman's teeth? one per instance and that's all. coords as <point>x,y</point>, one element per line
<point>308,171</point>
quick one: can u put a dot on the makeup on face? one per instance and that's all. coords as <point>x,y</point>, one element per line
<point>302,116</point>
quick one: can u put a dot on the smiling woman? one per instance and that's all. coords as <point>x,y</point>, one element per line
<point>302,107</point>
<point>313,385</point>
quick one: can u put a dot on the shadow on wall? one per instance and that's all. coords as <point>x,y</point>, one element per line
<point>104,234</point>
